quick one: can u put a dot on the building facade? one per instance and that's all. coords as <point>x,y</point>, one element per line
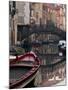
<point>21,18</point>
<point>28,13</point>
<point>35,13</point>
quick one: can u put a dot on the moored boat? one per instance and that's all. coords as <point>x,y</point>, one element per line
<point>23,70</point>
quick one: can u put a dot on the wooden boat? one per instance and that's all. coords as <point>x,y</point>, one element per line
<point>23,70</point>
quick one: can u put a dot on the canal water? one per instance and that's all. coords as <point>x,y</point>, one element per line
<point>51,75</point>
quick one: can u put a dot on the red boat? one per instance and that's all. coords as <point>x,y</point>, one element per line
<point>23,70</point>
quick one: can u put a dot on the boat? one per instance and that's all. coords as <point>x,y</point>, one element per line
<point>23,70</point>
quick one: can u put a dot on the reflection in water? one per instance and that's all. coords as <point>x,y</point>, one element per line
<point>52,75</point>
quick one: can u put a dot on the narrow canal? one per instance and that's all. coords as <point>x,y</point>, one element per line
<point>51,75</point>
